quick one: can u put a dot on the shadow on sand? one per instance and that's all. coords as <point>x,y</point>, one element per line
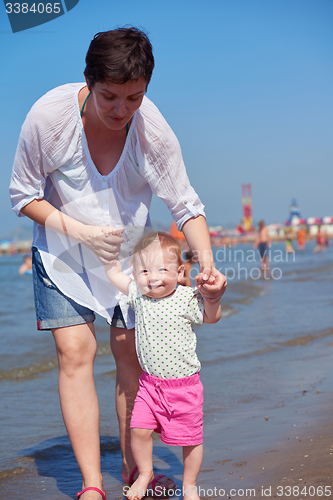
<point>54,458</point>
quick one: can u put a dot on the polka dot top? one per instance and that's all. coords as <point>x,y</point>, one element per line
<point>164,339</point>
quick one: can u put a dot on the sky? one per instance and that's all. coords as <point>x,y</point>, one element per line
<point>246,85</point>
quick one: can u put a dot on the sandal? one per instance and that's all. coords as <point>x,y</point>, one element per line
<point>152,485</point>
<point>129,481</point>
<point>102,493</point>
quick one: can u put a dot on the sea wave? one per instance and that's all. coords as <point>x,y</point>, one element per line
<point>314,270</point>
<point>301,340</point>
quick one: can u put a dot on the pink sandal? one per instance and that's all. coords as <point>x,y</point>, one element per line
<point>151,486</point>
<point>102,493</point>
<point>129,481</point>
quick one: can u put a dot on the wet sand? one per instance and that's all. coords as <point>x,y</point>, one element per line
<point>286,453</point>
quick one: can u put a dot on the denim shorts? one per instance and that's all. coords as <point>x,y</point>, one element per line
<point>56,310</point>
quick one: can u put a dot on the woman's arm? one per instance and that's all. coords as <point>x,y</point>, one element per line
<point>198,238</point>
<point>93,237</point>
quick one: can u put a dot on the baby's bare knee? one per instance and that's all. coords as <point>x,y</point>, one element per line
<point>141,434</point>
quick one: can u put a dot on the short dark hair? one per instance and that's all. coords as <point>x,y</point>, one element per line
<point>119,56</point>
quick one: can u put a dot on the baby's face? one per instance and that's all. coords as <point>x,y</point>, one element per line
<point>156,271</point>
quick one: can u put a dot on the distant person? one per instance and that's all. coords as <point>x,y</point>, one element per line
<point>170,397</point>
<point>262,243</point>
<point>90,155</point>
<point>326,240</point>
<point>26,267</point>
<point>301,238</point>
<point>188,264</point>
<point>289,245</point>
<point>320,242</point>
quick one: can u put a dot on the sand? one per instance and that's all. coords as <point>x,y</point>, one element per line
<point>291,457</point>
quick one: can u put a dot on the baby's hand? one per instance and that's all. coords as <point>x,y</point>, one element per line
<point>112,231</point>
<point>212,289</point>
<point>201,281</point>
<point>206,288</point>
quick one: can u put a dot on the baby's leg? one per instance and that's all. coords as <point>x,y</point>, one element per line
<point>142,449</point>
<point>192,456</point>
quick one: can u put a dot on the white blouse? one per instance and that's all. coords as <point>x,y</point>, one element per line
<point>53,162</point>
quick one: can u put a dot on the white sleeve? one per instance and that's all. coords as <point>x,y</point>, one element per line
<point>161,164</point>
<point>195,305</point>
<point>28,178</point>
<point>48,140</point>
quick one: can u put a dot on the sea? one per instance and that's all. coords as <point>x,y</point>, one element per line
<point>269,357</point>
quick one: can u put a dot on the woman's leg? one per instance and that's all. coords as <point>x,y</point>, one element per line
<point>142,448</point>
<point>76,350</point>
<point>192,456</point>
<point>128,374</point>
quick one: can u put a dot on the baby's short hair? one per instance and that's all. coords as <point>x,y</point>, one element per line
<point>166,241</point>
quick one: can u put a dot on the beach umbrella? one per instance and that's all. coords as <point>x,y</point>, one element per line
<point>328,220</point>
<point>297,221</point>
<point>314,221</point>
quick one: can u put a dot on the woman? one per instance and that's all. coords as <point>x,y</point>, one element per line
<point>89,156</point>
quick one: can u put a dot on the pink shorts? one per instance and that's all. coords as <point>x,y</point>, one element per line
<point>171,407</point>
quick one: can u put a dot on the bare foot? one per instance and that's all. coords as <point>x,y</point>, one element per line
<point>163,482</point>
<point>139,487</point>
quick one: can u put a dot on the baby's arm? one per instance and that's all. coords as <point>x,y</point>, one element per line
<point>212,307</point>
<point>116,276</point>
<point>114,271</point>
<point>212,311</point>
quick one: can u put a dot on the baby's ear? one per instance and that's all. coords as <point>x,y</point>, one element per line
<point>181,270</point>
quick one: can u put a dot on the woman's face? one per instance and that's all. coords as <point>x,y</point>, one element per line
<point>115,103</point>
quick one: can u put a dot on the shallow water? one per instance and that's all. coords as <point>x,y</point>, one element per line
<point>268,357</point>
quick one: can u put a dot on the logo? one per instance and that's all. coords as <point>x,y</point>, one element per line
<point>25,15</point>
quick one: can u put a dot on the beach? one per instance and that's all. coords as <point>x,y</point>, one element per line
<point>267,373</point>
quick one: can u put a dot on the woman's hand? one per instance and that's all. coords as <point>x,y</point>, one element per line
<point>103,241</point>
<point>211,284</point>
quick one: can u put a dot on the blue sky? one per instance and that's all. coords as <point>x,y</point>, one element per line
<point>245,84</point>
